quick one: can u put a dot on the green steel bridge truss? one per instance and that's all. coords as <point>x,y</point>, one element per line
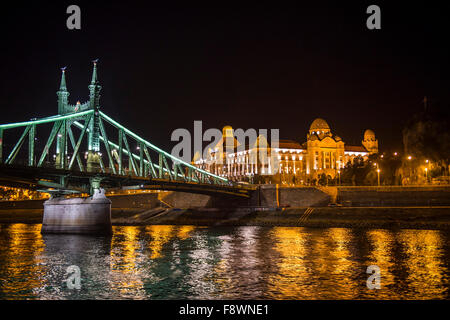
<point>146,166</point>
<point>141,166</point>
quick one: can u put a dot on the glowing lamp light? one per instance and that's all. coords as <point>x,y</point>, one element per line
<point>409,157</point>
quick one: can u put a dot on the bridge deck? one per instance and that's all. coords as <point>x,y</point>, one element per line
<point>46,179</point>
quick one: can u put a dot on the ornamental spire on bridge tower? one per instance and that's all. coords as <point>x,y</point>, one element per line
<point>94,72</point>
<point>94,88</point>
<point>63,94</point>
<point>62,86</point>
<point>63,102</point>
<point>93,159</point>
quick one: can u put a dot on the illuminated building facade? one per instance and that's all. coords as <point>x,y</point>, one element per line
<point>288,163</point>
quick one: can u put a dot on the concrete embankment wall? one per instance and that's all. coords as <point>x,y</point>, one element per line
<point>149,200</point>
<point>394,196</point>
<point>186,200</point>
<point>293,197</point>
<point>318,197</point>
<point>25,204</point>
<point>266,197</point>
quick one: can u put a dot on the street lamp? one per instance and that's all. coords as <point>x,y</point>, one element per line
<point>339,175</point>
<point>410,168</point>
<point>426,173</point>
<point>378,172</point>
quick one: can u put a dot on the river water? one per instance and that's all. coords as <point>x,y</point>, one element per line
<point>187,262</point>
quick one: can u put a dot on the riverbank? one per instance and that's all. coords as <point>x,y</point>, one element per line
<point>319,217</point>
<point>322,217</point>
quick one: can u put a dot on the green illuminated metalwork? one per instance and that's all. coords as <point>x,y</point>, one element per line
<point>45,120</point>
<point>1,145</point>
<point>76,148</point>
<point>92,124</point>
<point>120,151</point>
<point>108,150</point>
<point>31,140</point>
<point>17,147</point>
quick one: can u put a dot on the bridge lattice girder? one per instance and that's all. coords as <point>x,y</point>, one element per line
<point>69,172</point>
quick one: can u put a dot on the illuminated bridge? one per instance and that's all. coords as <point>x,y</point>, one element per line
<point>93,151</point>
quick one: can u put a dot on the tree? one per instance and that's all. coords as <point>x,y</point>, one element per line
<point>390,169</point>
<point>355,173</point>
<point>322,179</point>
<point>427,136</point>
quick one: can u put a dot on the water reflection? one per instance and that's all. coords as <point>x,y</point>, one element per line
<point>187,262</point>
<point>20,266</point>
<point>423,259</point>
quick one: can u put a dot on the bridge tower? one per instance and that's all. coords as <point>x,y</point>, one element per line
<point>93,136</point>
<point>63,94</point>
<point>93,157</point>
<point>63,102</point>
<point>91,215</point>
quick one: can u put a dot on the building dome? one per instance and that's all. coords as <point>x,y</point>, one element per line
<point>319,124</point>
<point>369,135</point>
<point>227,131</point>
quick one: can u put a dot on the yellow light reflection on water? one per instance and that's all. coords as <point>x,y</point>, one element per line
<point>129,254</point>
<point>160,235</point>
<point>239,263</point>
<point>424,260</point>
<point>184,232</point>
<point>289,281</point>
<point>340,262</point>
<point>124,248</point>
<point>381,254</point>
<point>313,266</point>
<point>124,274</point>
<point>22,258</point>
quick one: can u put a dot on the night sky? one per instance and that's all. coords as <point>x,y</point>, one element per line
<point>259,66</point>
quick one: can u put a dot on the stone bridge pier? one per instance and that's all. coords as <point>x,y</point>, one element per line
<point>90,215</point>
